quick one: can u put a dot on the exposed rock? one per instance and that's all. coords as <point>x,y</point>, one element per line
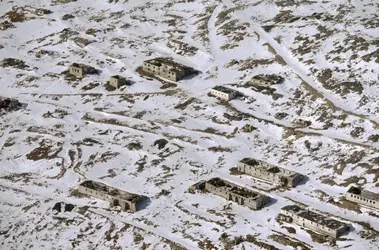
<point>281,115</point>
<point>63,207</point>
<point>81,42</point>
<point>8,104</point>
<point>14,63</point>
<point>67,17</point>
<point>161,143</point>
<point>6,25</point>
<point>134,146</point>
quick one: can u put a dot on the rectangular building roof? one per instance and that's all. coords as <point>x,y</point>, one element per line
<point>315,217</point>
<point>223,89</point>
<point>269,167</point>
<point>115,192</point>
<point>235,188</point>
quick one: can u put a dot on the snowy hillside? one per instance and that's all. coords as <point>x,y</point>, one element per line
<point>157,139</point>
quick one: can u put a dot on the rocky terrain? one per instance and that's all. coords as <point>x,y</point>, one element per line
<point>158,139</point>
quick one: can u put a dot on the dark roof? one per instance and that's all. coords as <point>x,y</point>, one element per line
<point>250,161</point>
<point>223,89</point>
<point>117,193</point>
<point>315,217</point>
<point>217,182</point>
<point>364,193</point>
<point>354,190</point>
<point>118,77</point>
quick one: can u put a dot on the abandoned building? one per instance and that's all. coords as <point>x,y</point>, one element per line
<point>313,221</point>
<point>166,69</point>
<point>265,80</point>
<point>268,172</point>
<point>80,70</point>
<point>115,197</point>
<point>238,194</point>
<point>363,197</point>
<point>117,81</point>
<point>224,93</point>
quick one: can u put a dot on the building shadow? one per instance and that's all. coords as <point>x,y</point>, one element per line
<point>271,202</point>
<point>143,204</point>
<point>130,82</point>
<point>303,181</point>
<point>193,74</point>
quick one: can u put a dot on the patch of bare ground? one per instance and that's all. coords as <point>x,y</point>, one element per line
<point>202,24</point>
<point>45,131</point>
<point>230,242</point>
<point>319,238</point>
<point>183,105</point>
<point>248,63</point>
<point>239,31</point>
<point>220,149</point>
<point>48,149</point>
<point>14,63</point>
<point>57,113</point>
<point>27,82</point>
<point>286,240</point>
<point>278,58</point>
<point>213,131</point>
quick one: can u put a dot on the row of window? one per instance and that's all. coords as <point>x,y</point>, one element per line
<point>311,222</point>
<point>75,70</point>
<point>363,199</point>
<point>220,94</point>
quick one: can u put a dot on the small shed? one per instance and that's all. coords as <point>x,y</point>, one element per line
<point>76,70</point>
<point>117,81</point>
<point>223,93</point>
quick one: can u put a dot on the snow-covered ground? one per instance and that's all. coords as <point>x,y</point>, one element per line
<point>69,131</point>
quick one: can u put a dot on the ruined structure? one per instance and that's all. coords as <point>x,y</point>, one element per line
<point>117,81</point>
<point>224,93</point>
<point>363,197</point>
<point>268,172</point>
<point>80,70</point>
<point>166,69</point>
<point>116,197</point>
<point>238,194</point>
<point>313,221</point>
<point>265,80</point>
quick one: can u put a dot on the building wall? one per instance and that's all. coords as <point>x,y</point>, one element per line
<point>241,200</point>
<point>117,83</point>
<point>78,72</point>
<point>222,95</point>
<point>362,200</point>
<point>162,71</point>
<point>259,172</point>
<point>313,225</point>
<point>124,204</point>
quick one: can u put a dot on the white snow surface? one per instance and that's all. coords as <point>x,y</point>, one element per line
<point>70,131</point>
